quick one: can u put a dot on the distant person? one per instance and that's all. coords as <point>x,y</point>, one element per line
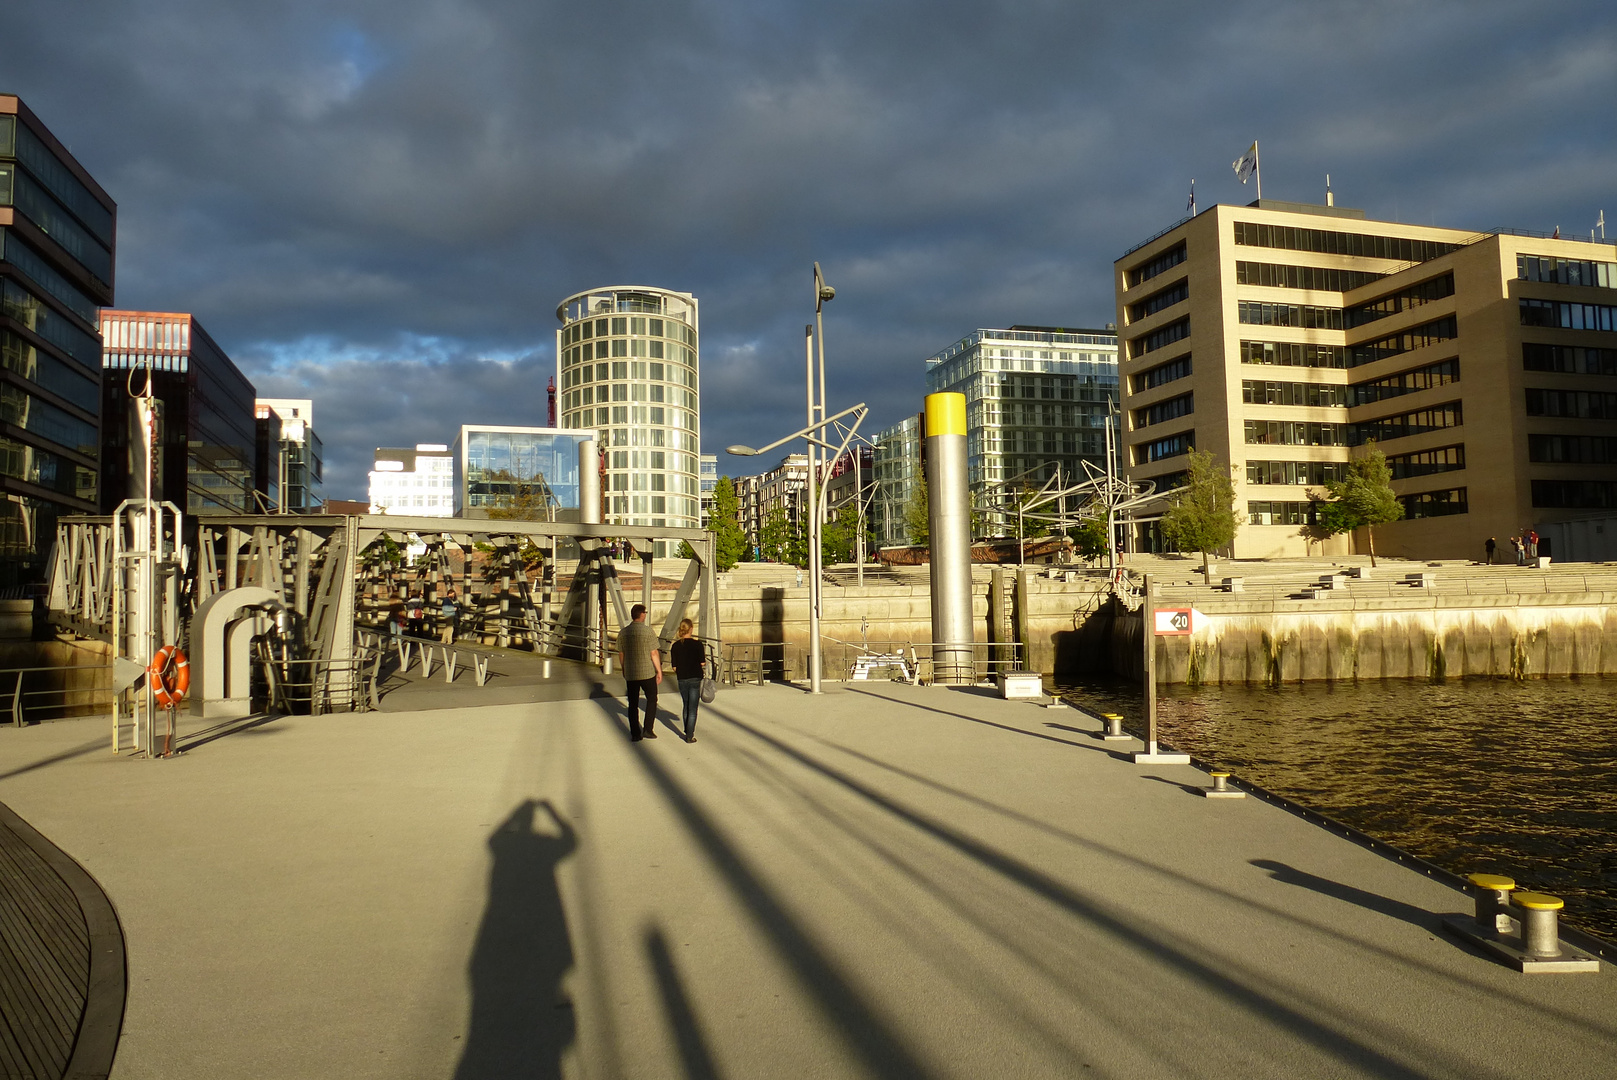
<point>1489,548</point>
<point>642,663</point>
<point>1532,545</point>
<point>417,614</point>
<point>1521,550</point>
<point>447,615</point>
<point>689,657</point>
<point>395,621</point>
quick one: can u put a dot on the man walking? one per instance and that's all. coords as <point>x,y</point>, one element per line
<point>642,663</point>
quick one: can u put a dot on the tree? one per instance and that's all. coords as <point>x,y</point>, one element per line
<point>1201,516</point>
<point>774,536</point>
<point>918,516</point>
<point>837,538</point>
<point>1089,539</point>
<point>730,543</point>
<point>1362,499</point>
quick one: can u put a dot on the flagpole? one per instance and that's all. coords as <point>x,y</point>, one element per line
<point>1257,168</point>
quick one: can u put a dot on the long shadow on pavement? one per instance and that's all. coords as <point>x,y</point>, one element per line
<point>521,1023</point>
<point>693,1051</point>
<point>1371,901</point>
<point>865,1033</point>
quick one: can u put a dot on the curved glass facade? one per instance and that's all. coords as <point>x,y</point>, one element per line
<point>629,363</point>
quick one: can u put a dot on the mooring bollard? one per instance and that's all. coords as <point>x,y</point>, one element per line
<point>1493,902</point>
<point>547,667</point>
<point>1221,787</point>
<point>1114,727</point>
<point>1541,934</point>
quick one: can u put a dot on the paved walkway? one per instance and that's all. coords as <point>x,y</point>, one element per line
<point>888,881</point>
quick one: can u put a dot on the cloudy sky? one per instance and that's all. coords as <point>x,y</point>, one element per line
<point>379,203</point>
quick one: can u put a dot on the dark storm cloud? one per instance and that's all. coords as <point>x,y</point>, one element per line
<point>380,204</point>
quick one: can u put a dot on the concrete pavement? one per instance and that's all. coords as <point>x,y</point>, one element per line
<point>885,881</point>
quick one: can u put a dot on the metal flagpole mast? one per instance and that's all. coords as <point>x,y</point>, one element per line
<point>1257,168</point>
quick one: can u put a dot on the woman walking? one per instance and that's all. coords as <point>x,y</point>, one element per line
<point>688,656</point>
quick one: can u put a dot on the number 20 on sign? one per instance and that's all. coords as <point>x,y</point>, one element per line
<point>1171,622</point>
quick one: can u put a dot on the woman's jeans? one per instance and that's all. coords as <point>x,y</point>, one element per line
<point>690,692</point>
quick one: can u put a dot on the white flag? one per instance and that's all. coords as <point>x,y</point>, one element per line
<point>1246,163</point>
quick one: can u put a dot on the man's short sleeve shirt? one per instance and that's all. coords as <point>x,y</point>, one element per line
<point>635,642</point>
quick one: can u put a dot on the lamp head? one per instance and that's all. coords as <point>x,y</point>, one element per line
<point>740,451</point>
<point>827,293</point>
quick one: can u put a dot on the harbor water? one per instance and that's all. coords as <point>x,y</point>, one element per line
<point>1516,778</point>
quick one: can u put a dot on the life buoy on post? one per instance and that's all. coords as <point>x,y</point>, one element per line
<point>170,674</point>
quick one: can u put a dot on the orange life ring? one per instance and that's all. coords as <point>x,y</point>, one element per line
<point>170,674</point>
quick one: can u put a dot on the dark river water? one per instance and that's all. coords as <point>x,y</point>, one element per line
<point>1479,775</point>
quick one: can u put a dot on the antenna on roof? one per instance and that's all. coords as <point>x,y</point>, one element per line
<point>1330,197</point>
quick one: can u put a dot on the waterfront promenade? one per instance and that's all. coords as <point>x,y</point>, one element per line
<point>888,881</point>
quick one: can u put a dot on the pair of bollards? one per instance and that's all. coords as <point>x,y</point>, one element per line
<point>1539,948</point>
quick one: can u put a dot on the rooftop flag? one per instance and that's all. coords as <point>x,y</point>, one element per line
<point>1246,166</point>
<point>1190,207</point>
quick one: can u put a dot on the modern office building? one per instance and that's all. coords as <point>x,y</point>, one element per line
<point>57,243</point>
<point>208,435</point>
<point>533,471</point>
<point>290,459</point>
<point>783,488</point>
<point>898,473</point>
<point>1285,337</point>
<point>1036,402</point>
<point>417,482</point>
<point>709,465</point>
<point>628,370</point>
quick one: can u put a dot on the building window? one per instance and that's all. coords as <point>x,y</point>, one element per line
<point>1319,278</point>
<point>1304,316</point>
<point>1161,264</point>
<point>1406,382</point>
<point>1427,504</point>
<point>1291,473</point>
<point>1292,354</point>
<point>1572,404</point>
<point>1327,242</point>
<point>1167,298</point>
<point>1163,336</point>
<point>1415,337</point>
<point>1411,423</point>
<point>1427,462</point>
<point>1162,411</point>
<point>1170,446</point>
<point>1566,316</point>
<point>1575,494</point>
<point>1295,433</point>
<point>1602,275</point>
<point>1403,300</point>
<point>1572,359</point>
<point>1279,513</point>
<point>1315,395</point>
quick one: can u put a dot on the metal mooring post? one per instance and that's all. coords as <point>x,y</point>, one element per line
<point>1148,626</point>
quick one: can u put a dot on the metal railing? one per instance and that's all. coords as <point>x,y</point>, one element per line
<point>305,686</point>
<point>759,662</point>
<point>26,695</point>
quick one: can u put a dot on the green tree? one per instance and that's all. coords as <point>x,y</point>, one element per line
<point>1089,539</point>
<point>1362,499</point>
<point>918,516</point>
<point>838,536</point>
<point>774,536</point>
<point>730,543</point>
<point>1201,517</point>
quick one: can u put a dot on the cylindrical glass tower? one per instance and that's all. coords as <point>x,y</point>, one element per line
<point>628,369</point>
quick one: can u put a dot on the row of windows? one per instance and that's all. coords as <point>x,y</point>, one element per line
<point>630,392</point>
<point>19,190</point>
<point>1316,395</point>
<point>627,369</point>
<point>1573,404</point>
<point>653,459</point>
<point>18,355</point>
<point>30,262</point>
<point>1267,512</point>
<point>1566,271</point>
<point>1316,433</point>
<point>1163,411</point>
<point>601,350</point>
<point>672,438</point>
<point>1428,504</point>
<point>1167,298</point>
<point>57,178</point>
<point>1573,359</point>
<point>1406,382</point>
<point>634,414</point>
<point>1161,264</point>
<point>1403,300</point>
<point>657,481</point>
<point>1416,337</point>
<point>1323,278</point>
<point>1568,316</point>
<point>35,466</point>
<point>1293,354</point>
<point>1167,447</point>
<point>1575,494</point>
<point>1162,374</point>
<point>1049,387</point>
<point>1305,316</point>
<point>1426,462</point>
<point>1327,242</point>
<point>42,418</point>
<point>1314,473</point>
<point>619,326</point>
<point>1160,337</point>
<point>653,504</point>
<point>1572,449</point>
<point>1026,415</point>
<point>34,314</point>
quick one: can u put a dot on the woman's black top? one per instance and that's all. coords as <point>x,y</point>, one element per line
<point>687,653</point>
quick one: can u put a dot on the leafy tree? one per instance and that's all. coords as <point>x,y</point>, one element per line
<point>730,543</point>
<point>774,536</point>
<point>838,536</point>
<point>1089,539</point>
<point>1026,524</point>
<point>917,516</point>
<point>1362,499</point>
<point>1201,516</point>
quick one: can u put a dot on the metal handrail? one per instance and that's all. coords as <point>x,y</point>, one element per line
<point>18,707</point>
<point>317,689</point>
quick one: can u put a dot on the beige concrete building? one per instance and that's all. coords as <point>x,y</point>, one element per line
<point>1284,337</point>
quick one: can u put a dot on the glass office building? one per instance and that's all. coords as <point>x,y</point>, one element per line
<point>57,230</point>
<point>533,471</point>
<point>208,433</point>
<point>628,370</point>
<point>290,458</point>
